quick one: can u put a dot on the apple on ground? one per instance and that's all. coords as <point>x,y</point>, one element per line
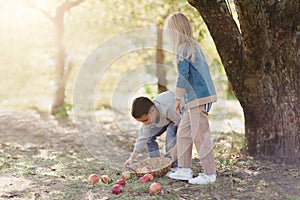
<point>126,175</point>
<point>116,189</point>
<point>155,188</point>
<point>106,179</point>
<point>150,176</point>
<point>144,179</point>
<point>93,178</point>
<point>121,182</point>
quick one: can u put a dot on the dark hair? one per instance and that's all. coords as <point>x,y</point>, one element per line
<point>140,107</point>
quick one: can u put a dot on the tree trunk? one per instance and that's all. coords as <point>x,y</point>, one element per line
<point>59,94</point>
<point>263,65</point>
<point>62,68</point>
<point>160,70</point>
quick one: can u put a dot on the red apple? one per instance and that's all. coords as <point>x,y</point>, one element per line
<point>106,179</point>
<point>126,175</point>
<point>93,178</point>
<point>121,182</point>
<point>149,176</point>
<point>116,189</point>
<point>144,179</point>
<point>155,188</point>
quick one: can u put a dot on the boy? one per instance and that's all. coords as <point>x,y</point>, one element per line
<point>157,117</point>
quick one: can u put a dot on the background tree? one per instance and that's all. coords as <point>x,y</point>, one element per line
<point>151,13</point>
<point>262,62</point>
<point>63,65</point>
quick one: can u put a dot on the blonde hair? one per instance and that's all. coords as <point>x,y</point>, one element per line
<point>181,34</point>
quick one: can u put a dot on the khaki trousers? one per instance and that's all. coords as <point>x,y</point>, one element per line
<point>194,129</point>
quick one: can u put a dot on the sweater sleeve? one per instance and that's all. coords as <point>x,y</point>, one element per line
<point>182,78</point>
<point>141,141</point>
<point>172,116</point>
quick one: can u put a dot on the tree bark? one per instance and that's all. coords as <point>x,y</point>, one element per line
<point>59,94</point>
<point>263,65</point>
<point>160,70</point>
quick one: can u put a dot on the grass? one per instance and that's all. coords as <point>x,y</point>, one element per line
<point>41,171</point>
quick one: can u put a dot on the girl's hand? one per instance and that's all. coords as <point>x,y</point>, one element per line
<point>177,107</point>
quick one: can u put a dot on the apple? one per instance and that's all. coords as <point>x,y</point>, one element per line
<point>144,179</point>
<point>146,169</point>
<point>139,170</point>
<point>155,188</point>
<point>149,176</point>
<point>93,178</point>
<point>121,182</point>
<point>106,179</point>
<point>116,189</point>
<point>126,175</point>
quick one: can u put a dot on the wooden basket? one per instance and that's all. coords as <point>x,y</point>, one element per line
<point>158,166</point>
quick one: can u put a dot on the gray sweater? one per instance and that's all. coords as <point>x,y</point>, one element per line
<point>164,103</point>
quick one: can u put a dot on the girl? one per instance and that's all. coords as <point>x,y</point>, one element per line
<point>195,85</point>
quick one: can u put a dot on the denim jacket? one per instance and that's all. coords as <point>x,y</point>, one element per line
<point>194,82</point>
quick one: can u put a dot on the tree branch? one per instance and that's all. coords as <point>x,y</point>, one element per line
<point>46,14</point>
<point>71,4</point>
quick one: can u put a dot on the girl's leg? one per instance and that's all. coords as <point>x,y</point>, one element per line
<point>202,139</point>
<point>208,163</point>
<point>184,142</point>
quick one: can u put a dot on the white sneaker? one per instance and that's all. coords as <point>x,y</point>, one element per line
<point>203,179</point>
<point>174,169</point>
<point>182,174</point>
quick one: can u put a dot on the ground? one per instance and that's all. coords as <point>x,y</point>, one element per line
<point>43,158</point>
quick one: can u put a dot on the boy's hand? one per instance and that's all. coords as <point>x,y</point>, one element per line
<point>131,159</point>
<point>128,163</point>
<point>177,107</point>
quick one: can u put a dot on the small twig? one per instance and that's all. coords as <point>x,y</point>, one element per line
<point>48,15</point>
<point>131,169</point>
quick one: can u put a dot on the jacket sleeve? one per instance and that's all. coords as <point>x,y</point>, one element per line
<point>142,140</point>
<point>182,78</point>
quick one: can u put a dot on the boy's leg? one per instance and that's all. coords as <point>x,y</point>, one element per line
<point>152,146</point>
<point>202,139</point>
<point>171,142</point>
<point>184,142</point>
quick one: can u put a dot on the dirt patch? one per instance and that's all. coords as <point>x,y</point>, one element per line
<point>42,158</point>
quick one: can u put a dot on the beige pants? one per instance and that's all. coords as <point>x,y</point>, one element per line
<point>194,129</point>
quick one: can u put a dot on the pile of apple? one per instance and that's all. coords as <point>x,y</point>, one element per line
<point>155,188</point>
<point>94,178</point>
<point>144,169</point>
